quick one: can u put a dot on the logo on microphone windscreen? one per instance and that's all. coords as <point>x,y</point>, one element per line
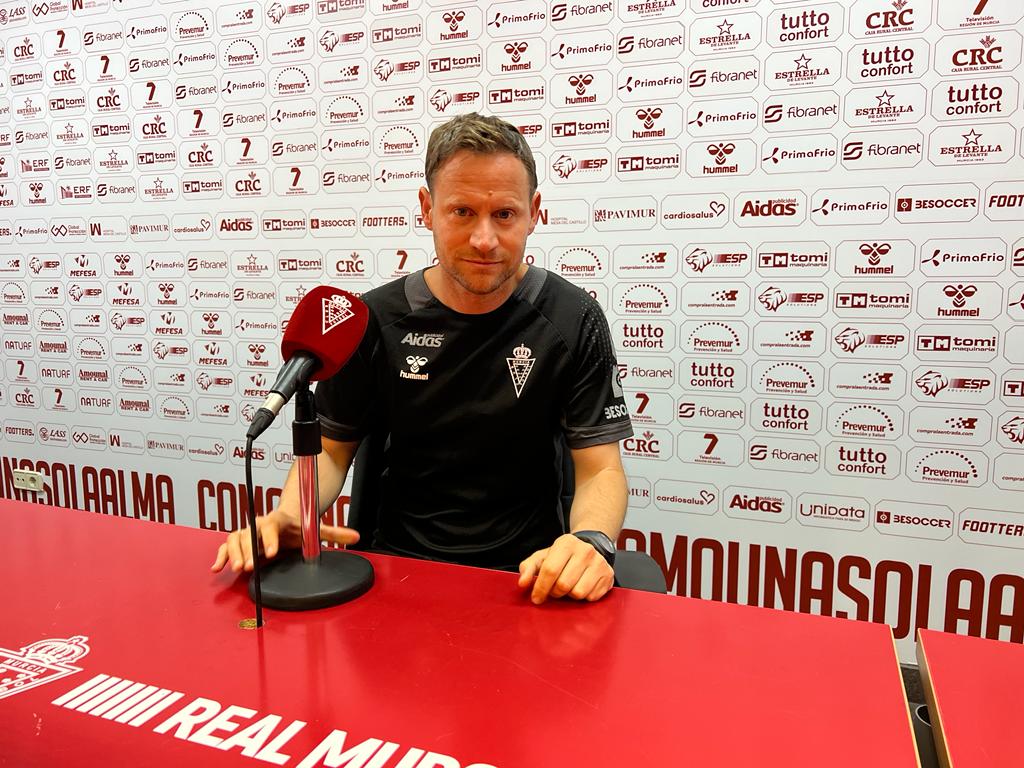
<point>336,310</point>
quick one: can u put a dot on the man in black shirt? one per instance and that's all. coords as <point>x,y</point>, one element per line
<point>475,369</point>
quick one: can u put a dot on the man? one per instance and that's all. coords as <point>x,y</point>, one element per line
<point>474,369</point>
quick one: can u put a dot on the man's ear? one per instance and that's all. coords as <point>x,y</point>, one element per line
<point>534,212</point>
<point>426,207</point>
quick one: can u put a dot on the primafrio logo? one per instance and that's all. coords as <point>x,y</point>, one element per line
<point>786,70</point>
<point>801,27</point>
<point>652,82</point>
<point>970,257</point>
<point>581,49</point>
<point>712,118</point>
<point>803,154</point>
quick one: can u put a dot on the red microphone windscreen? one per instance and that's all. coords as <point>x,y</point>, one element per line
<point>328,323</point>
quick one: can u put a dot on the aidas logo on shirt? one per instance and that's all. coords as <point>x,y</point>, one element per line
<point>519,366</point>
<point>432,340</point>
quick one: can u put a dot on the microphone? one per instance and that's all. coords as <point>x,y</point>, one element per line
<point>324,331</point>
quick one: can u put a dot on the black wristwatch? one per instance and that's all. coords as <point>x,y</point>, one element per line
<point>599,541</point>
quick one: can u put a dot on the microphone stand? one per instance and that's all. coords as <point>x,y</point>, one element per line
<point>302,580</point>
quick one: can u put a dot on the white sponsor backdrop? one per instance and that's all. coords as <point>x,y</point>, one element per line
<point>803,220</point>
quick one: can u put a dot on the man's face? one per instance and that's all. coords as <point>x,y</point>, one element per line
<point>480,212</point>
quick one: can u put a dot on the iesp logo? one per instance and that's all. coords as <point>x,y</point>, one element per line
<point>716,258</point>
<point>808,301</point>
<point>885,342</point>
<point>954,384</point>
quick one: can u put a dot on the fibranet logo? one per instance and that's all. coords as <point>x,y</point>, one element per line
<point>572,15</point>
<point>886,342</point>
<point>874,62</point>
<point>740,74</point>
<point>974,54</point>
<point>783,455</point>
<point>883,149</point>
<point>865,421</point>
<point>817,25</point>
<point>663,41</point>
<point>717,35</point>
<point>787,378</point>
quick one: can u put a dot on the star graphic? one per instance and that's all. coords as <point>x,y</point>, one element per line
<point>725,28</point>
<point>885,100</point>
<point>972,138</point>
<point>802,62</point>
<point>251,259</point>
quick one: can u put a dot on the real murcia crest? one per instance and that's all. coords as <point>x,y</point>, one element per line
<point>519,366</point>
<point>39,663</point>
<point>336,310</point>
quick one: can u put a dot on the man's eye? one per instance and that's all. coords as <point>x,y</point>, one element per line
<point>461,211</point>
<point>504,214</point>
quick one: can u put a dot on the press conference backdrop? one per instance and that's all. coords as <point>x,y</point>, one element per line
<point>802,219</point>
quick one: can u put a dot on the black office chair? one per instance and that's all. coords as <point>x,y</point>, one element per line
<point>633,570</point>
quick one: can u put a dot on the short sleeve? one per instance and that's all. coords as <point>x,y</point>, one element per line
<point>346,401</point>
<point>595,410</point>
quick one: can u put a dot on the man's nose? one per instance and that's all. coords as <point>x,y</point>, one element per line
<point>484,237</point>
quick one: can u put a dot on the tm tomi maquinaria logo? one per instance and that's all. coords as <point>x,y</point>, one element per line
<point>519,366</point>
<point>336,310</point>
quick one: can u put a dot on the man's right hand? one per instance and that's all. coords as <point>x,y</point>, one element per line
<point>273,531</point>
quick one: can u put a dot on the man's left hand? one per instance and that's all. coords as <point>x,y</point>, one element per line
<point>570,567</point>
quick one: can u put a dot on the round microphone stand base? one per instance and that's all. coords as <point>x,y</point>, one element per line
<point>288,583</point>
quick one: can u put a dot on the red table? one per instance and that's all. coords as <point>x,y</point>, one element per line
<point>434,659</point>
<point>973,689</point>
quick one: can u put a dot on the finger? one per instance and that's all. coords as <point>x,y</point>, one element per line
<point>602,588</point>
<point>236,550</point>
<point>529,568</point>
<point>269,534</point>
<point>574,570</point>
<point>221,559</point>
<point>338,534</point>
<point>587,581</point>
<point>550,570</point>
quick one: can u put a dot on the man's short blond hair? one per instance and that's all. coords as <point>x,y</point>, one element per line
<point>478,133</point>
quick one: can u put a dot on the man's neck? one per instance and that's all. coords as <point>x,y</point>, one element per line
<point>458,299</point>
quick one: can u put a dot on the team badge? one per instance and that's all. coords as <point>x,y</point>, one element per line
<point>336,310</point>
<point>39,663</point>
<point>519,366</point>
